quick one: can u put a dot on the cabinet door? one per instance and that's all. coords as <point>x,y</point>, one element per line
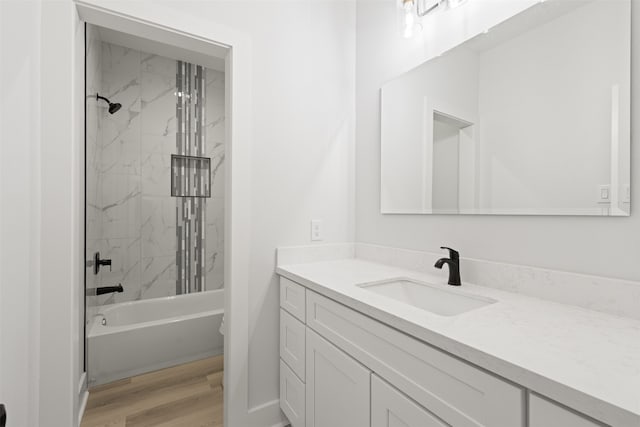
<point>544,413</point>
<point>391,408</point>
<point>338,388</point>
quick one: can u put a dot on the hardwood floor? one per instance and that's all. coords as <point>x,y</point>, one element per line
<point>188,395</point>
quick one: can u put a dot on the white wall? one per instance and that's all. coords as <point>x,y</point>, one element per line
<point>19,209</point>
<point>303,132</point>
<point>589,245</point>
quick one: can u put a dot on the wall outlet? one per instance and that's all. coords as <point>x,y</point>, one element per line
<point>316,230</point>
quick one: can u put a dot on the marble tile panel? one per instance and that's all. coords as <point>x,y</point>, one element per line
<point>158,226</point>
<point>158,277</point>
<point>215,271</point>
<point>119,59</point>
<point>120,206</point>
<point>160,144</point>
<point>159,65</point>
<point>121,154</point>
<point>215,112</point>
<point>215,223</point>
<point>214,243</point>
<point>218,175</point>
<point>156,174</point>
<point>122,124</point>
<point>158,105</point>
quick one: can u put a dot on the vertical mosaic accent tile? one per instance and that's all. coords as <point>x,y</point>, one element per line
<point>190,210</point>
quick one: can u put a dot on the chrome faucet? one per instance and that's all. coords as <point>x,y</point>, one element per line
<point>454,266</point>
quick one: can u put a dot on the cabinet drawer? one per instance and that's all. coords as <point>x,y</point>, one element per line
<point>292,298</point>
<point>292,396</point>
<point>390,408</point>
<point>457,392</point>
<point>544,413</point>
<point>292,339</point>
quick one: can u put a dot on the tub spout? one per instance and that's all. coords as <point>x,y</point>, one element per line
<point>109,289</point>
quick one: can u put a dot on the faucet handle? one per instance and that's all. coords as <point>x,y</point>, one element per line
<point>453,254</point>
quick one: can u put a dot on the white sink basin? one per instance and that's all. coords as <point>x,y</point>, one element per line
<point>432,298</point>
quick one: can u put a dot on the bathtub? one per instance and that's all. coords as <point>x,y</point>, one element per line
<point>135,337</point>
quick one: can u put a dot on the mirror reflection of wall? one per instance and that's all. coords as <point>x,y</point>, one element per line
<point>543,109</point>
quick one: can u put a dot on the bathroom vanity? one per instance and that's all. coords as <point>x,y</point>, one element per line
<point>355,356</point>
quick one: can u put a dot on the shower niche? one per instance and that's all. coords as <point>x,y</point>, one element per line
<point>190,176</point>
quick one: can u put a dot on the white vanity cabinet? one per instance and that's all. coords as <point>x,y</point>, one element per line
<point>338,387</point>
<point>391,408</point>
<point>544,413</point>
<point>341,368</point>
<point>292,352</point>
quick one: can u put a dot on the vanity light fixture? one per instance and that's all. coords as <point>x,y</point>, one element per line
<point>413,9</point>
<point>409,24</point>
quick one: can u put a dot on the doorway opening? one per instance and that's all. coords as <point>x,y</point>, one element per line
<point>155,191</point>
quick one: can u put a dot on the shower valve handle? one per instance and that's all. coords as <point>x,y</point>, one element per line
<point>97,262</point>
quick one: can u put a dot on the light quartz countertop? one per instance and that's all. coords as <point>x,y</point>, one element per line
<point>587,360</point>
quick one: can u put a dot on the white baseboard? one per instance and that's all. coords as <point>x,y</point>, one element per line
<point>84,397</point>
<point>267,414</point>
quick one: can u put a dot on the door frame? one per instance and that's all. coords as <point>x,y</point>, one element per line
<point>63,393</point>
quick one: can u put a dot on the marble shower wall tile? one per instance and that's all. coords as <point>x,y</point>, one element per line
<point>121,148</point>
<point>158,226</point>
<point>131,216</point>
<point>158,104</point>
<point>93,146</point>
<point>215,149</point>
<point>158,277</point>
<point>120,206</point>
<point>156,174</point>
<point>215,244</point>
<point>121,76</point>
<point>93,135</point>
<point>159,65</point>
<point>215,130</point>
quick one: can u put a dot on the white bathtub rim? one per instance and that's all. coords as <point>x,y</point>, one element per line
<point>153,301</point>
<point>98,329</point>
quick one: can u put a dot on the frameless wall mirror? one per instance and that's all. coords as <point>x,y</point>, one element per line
<point>531,118</point>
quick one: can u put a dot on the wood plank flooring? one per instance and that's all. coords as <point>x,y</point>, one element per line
<point>188,395</point>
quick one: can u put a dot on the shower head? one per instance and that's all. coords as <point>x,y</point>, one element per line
<point>113,107</point>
